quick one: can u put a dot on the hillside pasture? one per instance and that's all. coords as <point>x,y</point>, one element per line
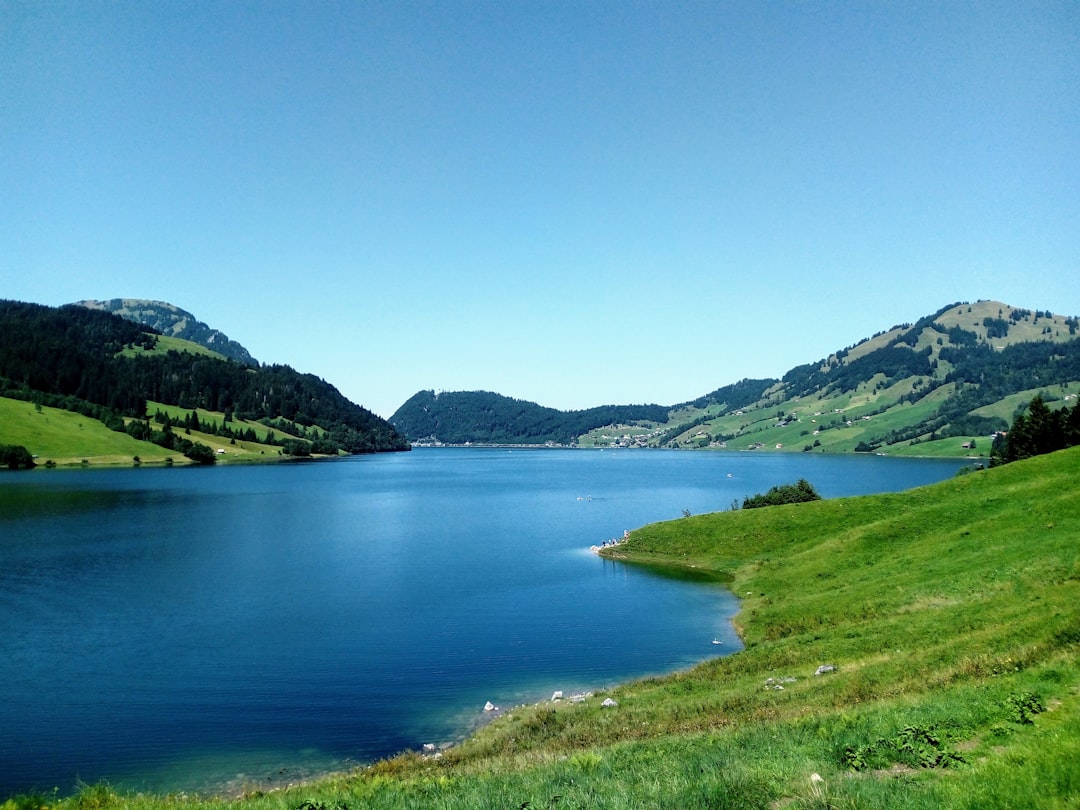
<point>262,432</point>
<point>70,439</point>
<point>238,450</point>
<point>1055,398</point>
<point>168,343</point>
<point>1024,329</point>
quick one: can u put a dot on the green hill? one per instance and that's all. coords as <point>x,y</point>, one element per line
<point>911,650</point>
<point>108,369</point>
<point>481,417</point>
<point>932,387</point>
<point>940,386</point>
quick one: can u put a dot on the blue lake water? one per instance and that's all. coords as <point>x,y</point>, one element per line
<point>231,627</point>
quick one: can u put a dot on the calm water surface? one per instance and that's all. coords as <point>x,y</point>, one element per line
<point>195,629</point>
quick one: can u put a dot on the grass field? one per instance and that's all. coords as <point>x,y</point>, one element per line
<point>177,413</point>
<point>818,422</point>
<point>944,623</point>
<point>70,439</point>
<point>836,423</point>
<point>168,343</point>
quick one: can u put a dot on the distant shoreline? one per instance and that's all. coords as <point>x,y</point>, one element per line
<point>761,450</point>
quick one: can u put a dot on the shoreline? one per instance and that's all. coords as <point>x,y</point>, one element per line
<point>97,462</point>
<point>287,777</point>
<point>761,450</point>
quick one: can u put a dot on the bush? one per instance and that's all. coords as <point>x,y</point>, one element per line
<point>799,492</point>
<point>1023,706</point>
<point>14,456</point>
<point>914,746</point>
<point>200,453</point>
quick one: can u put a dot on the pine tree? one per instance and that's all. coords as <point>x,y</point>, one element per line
<point>1072,426</point>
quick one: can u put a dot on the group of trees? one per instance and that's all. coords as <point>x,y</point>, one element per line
<point>1036,430</point>
<point>168,438</point>
<point>801,491</point>
<point>70,352</point>
<point>14,456</point>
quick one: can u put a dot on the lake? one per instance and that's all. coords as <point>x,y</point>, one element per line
<point>234,627</point>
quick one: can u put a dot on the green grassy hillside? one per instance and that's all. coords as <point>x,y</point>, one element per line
<point>929,388</point>
<point>167,343</point>
<point>66,438</point>
<point>944,623</point>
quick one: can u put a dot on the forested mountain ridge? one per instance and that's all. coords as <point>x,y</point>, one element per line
<point>482,417</point>
<point>171,320</point>
<point>939,386</point>
<point>107,367</point>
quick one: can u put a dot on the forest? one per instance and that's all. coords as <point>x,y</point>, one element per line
<point>97,363</point>
<point>486,418</point>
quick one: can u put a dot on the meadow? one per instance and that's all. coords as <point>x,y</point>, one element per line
<point>912,650</point>
<point>67,439</point>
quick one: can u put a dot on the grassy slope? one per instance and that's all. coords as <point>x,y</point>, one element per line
<point>217,417</point>
<point>942,609</point>
<point>758,424</point>
<point>168,343</point>
<point>69,438</point>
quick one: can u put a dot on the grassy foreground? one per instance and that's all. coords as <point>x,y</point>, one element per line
<point>950,616</point>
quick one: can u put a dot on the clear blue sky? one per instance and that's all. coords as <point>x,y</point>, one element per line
<point>576,203</point>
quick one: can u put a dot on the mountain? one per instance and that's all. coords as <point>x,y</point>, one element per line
<point>175,322</point>
<point>114,370</point>
<point>481,417</point>
<point>939,386</point>
<point>948,380</point>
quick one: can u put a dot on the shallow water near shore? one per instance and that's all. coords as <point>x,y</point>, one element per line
<point>237,628</point>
